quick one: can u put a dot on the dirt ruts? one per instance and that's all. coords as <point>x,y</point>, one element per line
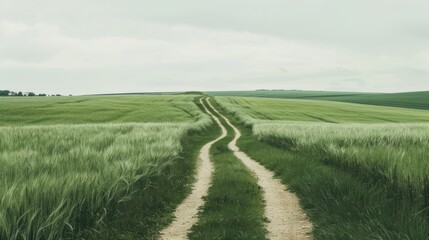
<point>286,218</point>
<point>187,212</point>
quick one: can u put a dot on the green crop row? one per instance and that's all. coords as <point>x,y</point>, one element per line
<point>56,181</point>
<point>392,156</point>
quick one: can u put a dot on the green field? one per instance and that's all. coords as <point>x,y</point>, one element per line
<point>19,111</point>
<point>298,94</point>
<point>385,147</point>
<point>396,151</point>
<point>378,138</point>
<point>318,111</point>
<point>116,167</point>
<point>67,163</point>
<point>417,100</point>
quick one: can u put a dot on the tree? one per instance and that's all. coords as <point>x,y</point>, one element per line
<point>19,94</point>
<point>31,94</point>
<point>4,92</point>
<point>42,95</point>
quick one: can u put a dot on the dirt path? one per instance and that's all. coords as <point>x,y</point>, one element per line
<point>187,212</point>
<point>286,218</point>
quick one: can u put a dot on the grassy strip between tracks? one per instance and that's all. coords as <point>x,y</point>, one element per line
<point>340,204</point>
<point>234,208</point>
<point>151,209</point>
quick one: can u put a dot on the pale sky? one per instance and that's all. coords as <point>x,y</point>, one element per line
<point>88,46</point>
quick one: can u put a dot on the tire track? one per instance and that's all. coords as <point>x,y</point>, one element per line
<point>186,214</point>
<point>287,221</point>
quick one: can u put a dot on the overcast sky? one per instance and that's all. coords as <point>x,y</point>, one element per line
<point>88,46</point>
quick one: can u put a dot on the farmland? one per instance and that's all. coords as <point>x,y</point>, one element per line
<point>416,100</point>
<point>69,163</point>
<point>380,149</point>
<point>250,109</point>
<point>117,167</point>
<point>104,109</point>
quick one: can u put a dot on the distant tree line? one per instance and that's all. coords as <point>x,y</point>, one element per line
<point>9,93</point>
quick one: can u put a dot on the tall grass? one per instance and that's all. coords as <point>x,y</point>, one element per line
<point>355,180</point>
<point>232,106</point>
<point>57,180</point>
<point>394,153</point>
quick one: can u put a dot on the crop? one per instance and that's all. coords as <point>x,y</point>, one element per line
<point>360,139</point>
<point>416,100</point>
<point>22,111</point>
<point>57,180</point>
<point>393,150</point>
<point>394,153</point>
<point>250,110</point>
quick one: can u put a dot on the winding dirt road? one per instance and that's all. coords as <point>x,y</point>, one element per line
<point>287,221</point>
<point>186,214</point>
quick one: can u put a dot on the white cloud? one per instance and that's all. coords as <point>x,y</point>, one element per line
<point>237,44</point>
<point>9,29</point>
<point>174,46</point>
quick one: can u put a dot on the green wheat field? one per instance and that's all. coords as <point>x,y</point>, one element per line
<point>115,167</point>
